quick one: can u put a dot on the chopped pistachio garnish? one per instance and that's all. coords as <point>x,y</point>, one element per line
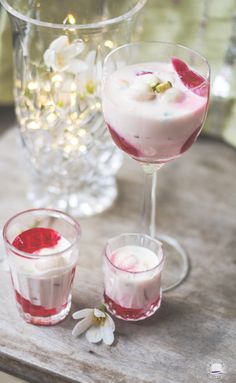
<point>162,87</point>
<point>154,85</point>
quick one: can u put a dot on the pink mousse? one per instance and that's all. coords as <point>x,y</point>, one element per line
<point>154,127</point>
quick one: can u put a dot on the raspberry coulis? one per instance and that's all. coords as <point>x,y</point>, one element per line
<point>35,239</point>
<point>192,80</point>
<point>129,313</point>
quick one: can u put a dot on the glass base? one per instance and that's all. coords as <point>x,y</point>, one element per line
<point>177,264</point>
<point>131,314</point>
<point>89,200</point>
<point>46,320</point>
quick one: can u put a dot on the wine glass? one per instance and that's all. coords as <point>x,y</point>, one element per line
<point>155,98</point>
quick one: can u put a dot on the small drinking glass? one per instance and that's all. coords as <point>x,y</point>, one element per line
<point>132,276</point>
<point>42,247</point>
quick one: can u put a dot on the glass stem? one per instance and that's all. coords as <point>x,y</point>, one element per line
<point>149,203</point>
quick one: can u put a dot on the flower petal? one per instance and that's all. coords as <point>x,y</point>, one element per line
<point>79,46</point>
<point>76,66</point>
<point>49,57</point>
<point>90,59</point>
<point>94,334</point>
<point>111,322</point>
<point>60,43</point>
<point>99,314</point>
<point>82,326</point>
<point>82,313</point>
<point>69,52</point>
<point>107,334</point>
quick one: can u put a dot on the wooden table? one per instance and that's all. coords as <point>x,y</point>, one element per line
<point>196,323</point>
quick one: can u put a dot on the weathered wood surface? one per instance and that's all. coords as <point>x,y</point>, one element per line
<point>196,323</point>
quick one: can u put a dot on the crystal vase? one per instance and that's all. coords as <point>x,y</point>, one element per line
<point>59,48</point>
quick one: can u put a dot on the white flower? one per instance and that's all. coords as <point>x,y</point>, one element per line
<point>62,55</point>
<point>97,324</point>
<point>90,79</point>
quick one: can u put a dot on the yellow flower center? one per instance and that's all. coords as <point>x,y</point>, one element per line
<point>90,86</point>
<point>60,60</point>
<point>99,321</point>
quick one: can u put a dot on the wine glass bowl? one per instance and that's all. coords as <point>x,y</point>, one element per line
<point>149,126</point>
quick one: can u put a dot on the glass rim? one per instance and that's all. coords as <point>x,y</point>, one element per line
<point>167,43</point>
<point>162,258</point>
<point>98,25</point>
<point>24,254</point>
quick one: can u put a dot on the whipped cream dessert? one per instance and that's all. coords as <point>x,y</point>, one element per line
<point>132,280</point>
<point>42,282</point>
<point>155,110</point>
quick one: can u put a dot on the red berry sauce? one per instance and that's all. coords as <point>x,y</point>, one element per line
<point>39,311</point>
<point>189,142</point>
<point>131,313</point>
<point>123,144</point>
<point>143,73</point>
<point>189,78</point>
<point>36,310</point>
<point>35,239</point>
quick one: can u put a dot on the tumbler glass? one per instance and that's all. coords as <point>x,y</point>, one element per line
<point>132,276</point>
<point>42,247</point>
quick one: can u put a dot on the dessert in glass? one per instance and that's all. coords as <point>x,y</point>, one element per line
<point>132,276</point>
<point>155,98</point>
<point>42,248</point>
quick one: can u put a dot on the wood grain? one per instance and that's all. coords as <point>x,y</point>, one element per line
<point>196,323</point>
